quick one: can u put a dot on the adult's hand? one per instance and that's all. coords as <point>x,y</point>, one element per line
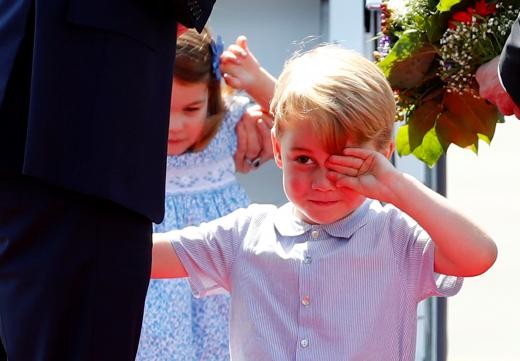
<point>254,145</point>
<point>491,89</point>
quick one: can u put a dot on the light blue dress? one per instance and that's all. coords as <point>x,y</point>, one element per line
<point>199,187</point>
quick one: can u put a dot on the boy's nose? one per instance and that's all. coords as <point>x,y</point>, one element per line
<point>321,182</point>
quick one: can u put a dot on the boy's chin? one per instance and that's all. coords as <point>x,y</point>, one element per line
<point>313,218</point>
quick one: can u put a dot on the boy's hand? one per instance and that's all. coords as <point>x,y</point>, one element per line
<point>365,171</point>
<point>239,66</point>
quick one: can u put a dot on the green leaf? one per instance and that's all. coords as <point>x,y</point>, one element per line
<point>422,120</point>
<point>446,5</point>
<point>484,138</point>
<point>435,26</point>
<point>430,150</point>
<point>474,147</point>
<point>409,42</point>
<point>401,141</point>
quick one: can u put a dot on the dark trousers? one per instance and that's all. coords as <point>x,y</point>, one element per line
<point>73,274</point>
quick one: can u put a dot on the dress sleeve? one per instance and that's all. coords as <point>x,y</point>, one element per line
<point>208,251</point>
<point>236,106</point>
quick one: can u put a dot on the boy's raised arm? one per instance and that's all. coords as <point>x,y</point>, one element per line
<point>165,262</point>
<point>462,247</point>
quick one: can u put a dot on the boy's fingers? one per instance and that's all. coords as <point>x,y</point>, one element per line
<point>356,152</point>
<point>342,180</point>
<point>344,170</point>
<point>368,164</point>
<point>340,163</point>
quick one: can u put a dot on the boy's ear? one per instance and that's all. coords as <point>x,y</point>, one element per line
<point>389,150</point>
<point>277,153</point>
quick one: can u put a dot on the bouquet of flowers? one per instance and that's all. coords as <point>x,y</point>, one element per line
<point>430,50</point>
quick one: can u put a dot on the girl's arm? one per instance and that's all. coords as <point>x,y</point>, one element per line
<point>165,262</point>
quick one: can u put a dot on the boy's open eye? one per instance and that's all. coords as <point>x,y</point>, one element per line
<point>303,159</point>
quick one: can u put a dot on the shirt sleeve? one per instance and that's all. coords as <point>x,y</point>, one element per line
<point>430,282</point>
<point>208,251</point>
<point>415,251</point>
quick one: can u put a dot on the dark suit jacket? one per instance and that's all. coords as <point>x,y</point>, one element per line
<point>510,63</point>
<point>99,97</point>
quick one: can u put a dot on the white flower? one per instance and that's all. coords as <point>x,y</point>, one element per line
<point>398,7</point>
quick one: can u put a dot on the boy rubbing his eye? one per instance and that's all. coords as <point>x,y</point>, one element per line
<point>333,274</point>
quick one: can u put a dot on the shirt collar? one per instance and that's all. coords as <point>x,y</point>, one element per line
<point>289,225</point>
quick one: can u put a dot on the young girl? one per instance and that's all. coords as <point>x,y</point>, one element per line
<point>200,186</point>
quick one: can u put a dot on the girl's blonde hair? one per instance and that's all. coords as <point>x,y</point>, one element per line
<point>194,64</point>
<point>340,92</point>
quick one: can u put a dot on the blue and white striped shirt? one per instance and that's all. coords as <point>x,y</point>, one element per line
<point>342,291</point>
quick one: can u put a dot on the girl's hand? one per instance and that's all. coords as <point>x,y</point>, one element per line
<point>365,171</point>
<point>239,66</point>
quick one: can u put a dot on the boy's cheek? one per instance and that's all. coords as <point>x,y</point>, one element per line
<point>295,186</point>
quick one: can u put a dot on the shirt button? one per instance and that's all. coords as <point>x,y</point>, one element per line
<point>306,300</point>
<point>304,343</point>
<point>315,234</point>
<point>307,260</point>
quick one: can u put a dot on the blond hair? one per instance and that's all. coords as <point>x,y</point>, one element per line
<point>340,92</point>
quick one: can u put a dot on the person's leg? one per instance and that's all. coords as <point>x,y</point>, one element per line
<point>73,274</point>
<point>3,356</point>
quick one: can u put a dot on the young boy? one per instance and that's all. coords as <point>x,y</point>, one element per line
<point>333,274</point>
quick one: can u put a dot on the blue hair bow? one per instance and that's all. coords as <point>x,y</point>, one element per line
<point>217,48</point>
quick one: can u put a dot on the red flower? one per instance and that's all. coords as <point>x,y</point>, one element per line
<point>461,17</point>
<point>485,9</point>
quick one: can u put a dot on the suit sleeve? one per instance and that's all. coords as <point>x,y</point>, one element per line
<point>510,63</point>
<point>193,13</point>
